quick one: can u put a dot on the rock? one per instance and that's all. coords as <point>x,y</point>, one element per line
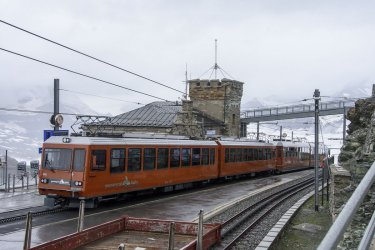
<point>357,155</point>
<point>307,227</point>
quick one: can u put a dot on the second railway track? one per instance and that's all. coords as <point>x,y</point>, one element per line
<point>240,220</point>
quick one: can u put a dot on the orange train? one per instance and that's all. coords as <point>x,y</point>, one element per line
<point>97,168</point>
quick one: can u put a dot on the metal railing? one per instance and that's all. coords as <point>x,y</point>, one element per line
<point>338,228</point>
<point>301,108</point>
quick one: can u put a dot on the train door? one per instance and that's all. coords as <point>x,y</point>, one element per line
<point>97,172</point>
<point>78,167</point>
<point>279,156</point>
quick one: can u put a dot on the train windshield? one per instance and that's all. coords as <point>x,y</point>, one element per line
<point>57,158</point>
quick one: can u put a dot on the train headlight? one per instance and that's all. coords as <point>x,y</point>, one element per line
<point>78,183</point>
<point>44,180</point>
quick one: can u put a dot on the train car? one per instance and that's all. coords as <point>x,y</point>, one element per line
<point>96,168</point>
<point>21,169</point>
<point>244,157</point>
<point>292,155</point>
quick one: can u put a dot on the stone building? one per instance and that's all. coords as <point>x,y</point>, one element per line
<point>212,111</point>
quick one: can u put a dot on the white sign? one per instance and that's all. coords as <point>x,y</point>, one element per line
<point>211,132</point>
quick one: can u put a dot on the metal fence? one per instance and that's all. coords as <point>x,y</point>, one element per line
<point>301,108</point>
<point>338,228</point>
<point>2,175</point>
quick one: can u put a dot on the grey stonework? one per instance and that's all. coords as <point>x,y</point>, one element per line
<point>357,155</point>
<point>213,108</point>
<point>219,99</point>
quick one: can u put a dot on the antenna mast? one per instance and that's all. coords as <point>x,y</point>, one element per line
<point>186,83</point>
<point>216,66</point>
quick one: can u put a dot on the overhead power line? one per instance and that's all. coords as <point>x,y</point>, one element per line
<point>38,112</point>
<point>81,74</point>
<point>105,97</point>
<point>92,57</point>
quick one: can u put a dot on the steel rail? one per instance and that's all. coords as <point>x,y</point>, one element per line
<point>263,202</point>
<point>228,226</point>
<point>263,214</point>
<point>34,214</point>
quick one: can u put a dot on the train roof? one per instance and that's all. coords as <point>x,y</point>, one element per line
<point>125,141</point>
<point>245,143</point>
<point>292,144</point>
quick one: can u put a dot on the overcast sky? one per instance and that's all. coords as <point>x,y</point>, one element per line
<point>277,48</point>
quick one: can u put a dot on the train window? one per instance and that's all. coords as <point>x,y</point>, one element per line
<point>149,158</point>
<point>98,160</point>
<point>256,154</point>
<point>196,160</point>
<point>205,156</point>
<point>250,155</point>
<point>238,154</point>
<point>175,157</point>
<point>260,154</point>
<point>134,159</point>
<point>227,159</point>
<point>186,157</point>
<point>79,160</point>
<point>162,158</point>
<point>57,158</point>
<point>232,157</point>
<point>117,160</point>
<point>245,154</point>
<point>212,156</point>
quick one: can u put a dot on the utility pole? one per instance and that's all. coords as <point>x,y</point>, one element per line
<point>56,101</point>
<point>281,132</point>
<point>344,127</point>
<point>6,171</point>
<point>316,154</point>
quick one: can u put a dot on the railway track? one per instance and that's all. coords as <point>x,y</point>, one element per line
<point>240,220</point>
<point>20,214</point>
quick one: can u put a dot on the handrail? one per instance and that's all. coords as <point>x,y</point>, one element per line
<point>368,235</point>
<point>261,111</point>
<point>338,228</point>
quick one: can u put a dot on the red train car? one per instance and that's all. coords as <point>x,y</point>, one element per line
<point>95,168</point>
<point>98,168</point>
<point>292,155</point>
<point>243,157</point>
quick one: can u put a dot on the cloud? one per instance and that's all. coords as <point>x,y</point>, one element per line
<point>275,47</point>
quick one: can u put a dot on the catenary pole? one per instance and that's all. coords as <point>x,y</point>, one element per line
<point>6,172</point>
<point>56,88</point>
<point>316,153</point>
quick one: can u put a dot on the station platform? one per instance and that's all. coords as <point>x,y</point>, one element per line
<point>20,198</point>
<point>183,207</point>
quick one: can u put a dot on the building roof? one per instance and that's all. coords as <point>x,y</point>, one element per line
<point>123,141</point>
<point>155,114</point>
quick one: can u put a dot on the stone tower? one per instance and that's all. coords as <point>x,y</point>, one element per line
<point>220,99</point>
